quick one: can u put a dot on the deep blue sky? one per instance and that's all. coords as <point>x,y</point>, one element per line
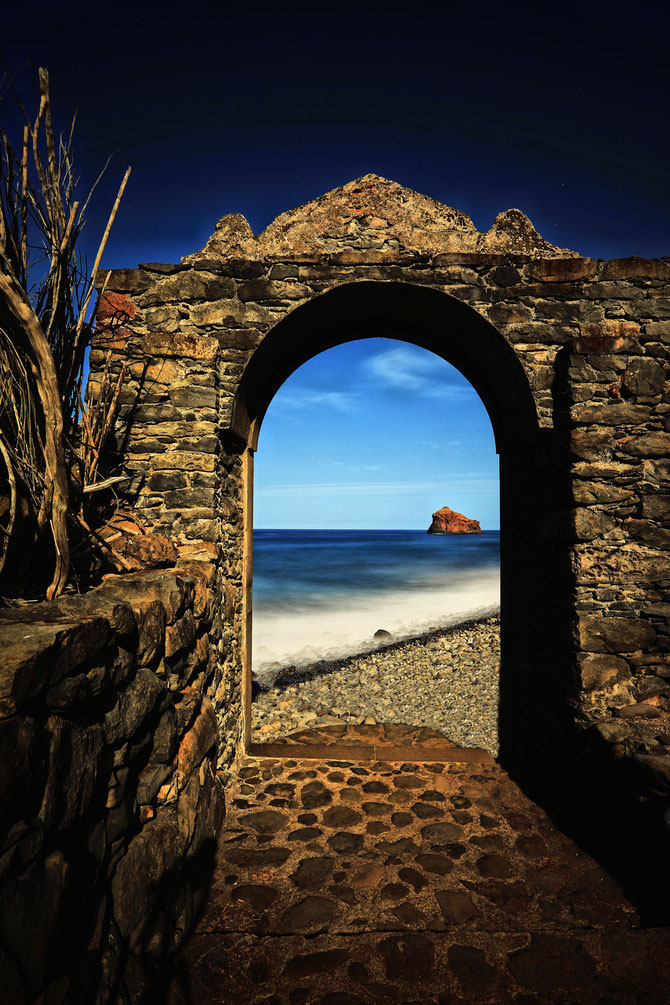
<point>561,110</point>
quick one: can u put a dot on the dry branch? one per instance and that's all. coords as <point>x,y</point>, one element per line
<point>49,439</point>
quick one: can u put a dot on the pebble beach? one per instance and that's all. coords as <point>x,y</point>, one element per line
<point>446,680</point>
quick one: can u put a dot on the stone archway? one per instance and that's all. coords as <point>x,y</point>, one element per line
<point>569,356</point>
<point>452,330</point>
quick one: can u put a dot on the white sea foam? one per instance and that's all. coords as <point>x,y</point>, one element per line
<point>347,626</point>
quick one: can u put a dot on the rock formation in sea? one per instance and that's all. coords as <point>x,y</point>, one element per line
<point>447,521</point>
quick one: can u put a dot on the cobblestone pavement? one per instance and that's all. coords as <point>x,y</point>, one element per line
<point>417,883</point>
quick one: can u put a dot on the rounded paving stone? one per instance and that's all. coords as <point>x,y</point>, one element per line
<point>408,914</point>
<point>367,876</point>
<point>340,816</point>
<point>426,810</point>
<point>456,906</point>
<point>265,821</point>
<point>394,891</point>
<point>402,819</point>
<point>258,897</point>
<point>344,893</point>
<point>408,782</point>
<point>413,877</point>
<point>376,827</point>
<point>344,842</point>
<point>488,842</point>
<point>454,850</point>
<point>532,846</point>
<point>315,794</point>
<point>309,913</point>
<point>304,834</point>
<point>285,789</point>
<point>376,809</point>
<point>460,802</point>
<point>437,864</point>
<point>461,817</point>
<point>550,962</point>
<point>441,833</point>
<point>358,973</point>
<point>493,865</point>
<point>474,974</point>
<point>400,847</point>
<point>408,957</point>
<point>376,786</point>
<point>312,873</point>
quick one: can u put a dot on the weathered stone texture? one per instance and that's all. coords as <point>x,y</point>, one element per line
<point>108,772</point>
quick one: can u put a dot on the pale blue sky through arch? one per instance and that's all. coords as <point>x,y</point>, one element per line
<point>375,434</point>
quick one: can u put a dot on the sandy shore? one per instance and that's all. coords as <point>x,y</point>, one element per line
<point>446,680</point>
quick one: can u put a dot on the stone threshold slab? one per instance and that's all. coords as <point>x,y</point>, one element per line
<point>369,752</point>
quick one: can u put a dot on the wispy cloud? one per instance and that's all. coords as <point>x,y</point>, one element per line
<point>303,399</point>
<point>458,483</point>
<point>406,369</point>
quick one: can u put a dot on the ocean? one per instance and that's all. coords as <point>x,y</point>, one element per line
<point>322,594</point>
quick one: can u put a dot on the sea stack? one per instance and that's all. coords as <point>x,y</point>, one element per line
<point>446,521</point>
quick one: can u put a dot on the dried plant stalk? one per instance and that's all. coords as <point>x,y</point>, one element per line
<point>45,329</point>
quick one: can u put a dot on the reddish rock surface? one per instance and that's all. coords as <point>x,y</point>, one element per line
<point>447,521</point>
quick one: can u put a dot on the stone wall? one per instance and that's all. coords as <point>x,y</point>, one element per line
<point>109,795</point>
<point>570,356</point>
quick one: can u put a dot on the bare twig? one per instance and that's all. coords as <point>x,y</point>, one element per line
<point>7,531</point>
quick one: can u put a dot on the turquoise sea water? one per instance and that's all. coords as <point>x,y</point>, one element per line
<point>322,594</point>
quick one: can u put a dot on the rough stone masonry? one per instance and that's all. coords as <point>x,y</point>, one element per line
<point>570,356</point>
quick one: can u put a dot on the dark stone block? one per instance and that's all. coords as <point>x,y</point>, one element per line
<point>613,635</point>
<point>162,268</point>
<point>474,974</point>
<point>161,481</point>
<point>191,497</point>
<point>408,957</point>
<point>551,962</point>
<point>193,397</point>
<point>456,906</point>
<point>649,533</point>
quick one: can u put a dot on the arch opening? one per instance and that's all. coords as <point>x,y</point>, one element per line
<point>424,318</point>
<point>361,618</point>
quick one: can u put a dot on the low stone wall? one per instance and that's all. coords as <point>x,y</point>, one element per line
<point>109,798</point>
